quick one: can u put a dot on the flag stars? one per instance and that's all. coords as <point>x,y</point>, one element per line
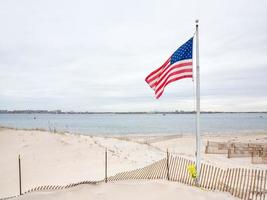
<point>184,52</point>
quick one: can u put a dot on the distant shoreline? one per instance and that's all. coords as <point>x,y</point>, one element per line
<point>86,112</point>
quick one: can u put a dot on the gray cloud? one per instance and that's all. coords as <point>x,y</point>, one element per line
<point>94,55</point>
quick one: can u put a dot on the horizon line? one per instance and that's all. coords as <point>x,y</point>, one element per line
<point>58,111</point>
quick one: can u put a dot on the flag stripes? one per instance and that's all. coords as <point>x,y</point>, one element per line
<point>178,66</point>
<point>168,73</point>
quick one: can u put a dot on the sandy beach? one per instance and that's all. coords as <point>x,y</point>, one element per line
<point>60,158</point>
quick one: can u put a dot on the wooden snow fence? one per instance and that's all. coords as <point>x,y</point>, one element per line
<point>247,184</point>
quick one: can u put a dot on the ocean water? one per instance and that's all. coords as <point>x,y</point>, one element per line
<point>108,124</point>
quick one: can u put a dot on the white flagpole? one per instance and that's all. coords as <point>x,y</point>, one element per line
<point>198,164</point>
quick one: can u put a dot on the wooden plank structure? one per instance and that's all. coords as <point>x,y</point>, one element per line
<point>259,157</point>
<point>257,151</point>
<point>217,147</point>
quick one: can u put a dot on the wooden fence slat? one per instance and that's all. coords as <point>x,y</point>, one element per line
<point>211,176</point>
<point>258,187</point>
<point>143,173</point>
<point>235,181</point>
<point>238,180</point>
<point>152,169</point>
<point>163,169</point>
<point>241,174</point>
<point>191,180</point>
<point>261,185</point>
<point>247,191</point>
<point>148,171</point>
<point>182,171</point>
<point>160,167</point>
<point>187,177</point>
<point>157,169</point>
<point>176,168</point>
<point>256,184</point>
<point>174,163</point>
<point>257,190</point>
<point>231,175</point>
<point>222,180</point>
<point>232,181</point>
<point>262,181</point>
<point>181,175</point>
<point>154,173</point>
<point>207,176</point>
<point>201,174</point>
<point>185,171</point>
<point>147,175</point>
<point>132,174</point>
<point>247,184</point>
<point>166,169</point>
<point>215,181</point>
<point>171,168</point>
<point>265,185</point>
<point>119,176</point>
<point>218,178</point>
<point>252,186</point>
<point>226,182</point>
<point>242,187</point>
<point>123,176</point>
<point>138,172</point>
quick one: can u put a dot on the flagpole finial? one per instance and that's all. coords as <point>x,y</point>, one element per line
<point>197,21</point>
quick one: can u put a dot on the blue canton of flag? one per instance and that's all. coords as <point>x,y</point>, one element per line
<point>184,52</point>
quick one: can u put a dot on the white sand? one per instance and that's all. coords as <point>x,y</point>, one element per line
<point>60,159</point>
<point>130,190</point>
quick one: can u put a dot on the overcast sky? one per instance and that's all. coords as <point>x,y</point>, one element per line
<point>88,55</point>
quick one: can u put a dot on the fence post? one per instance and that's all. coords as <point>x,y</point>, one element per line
<point>168,168</point>
<point>207,146</point>
<point>106,166</point>
<point>19,177</point>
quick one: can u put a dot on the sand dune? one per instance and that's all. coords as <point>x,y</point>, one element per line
<point>130,190</point>
<point>60,159</point>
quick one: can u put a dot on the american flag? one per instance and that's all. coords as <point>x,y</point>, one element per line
<point>178,66</point>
